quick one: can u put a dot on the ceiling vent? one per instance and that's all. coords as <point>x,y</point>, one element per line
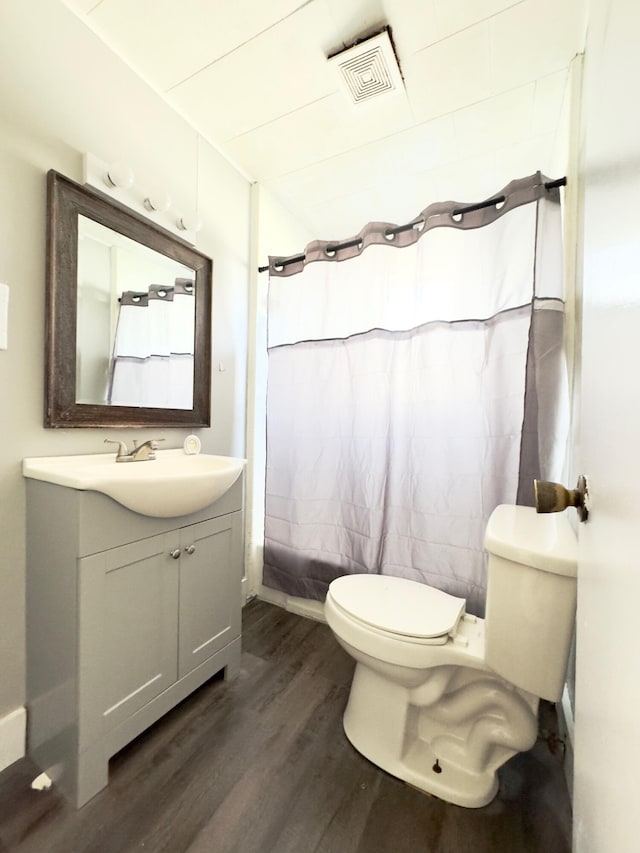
<point>369,69</point>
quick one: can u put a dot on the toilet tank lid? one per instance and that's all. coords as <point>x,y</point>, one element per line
<point>544,541</point>
<point>397,605</point>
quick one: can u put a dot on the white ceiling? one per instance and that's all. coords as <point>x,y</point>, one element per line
<point>485,86</point>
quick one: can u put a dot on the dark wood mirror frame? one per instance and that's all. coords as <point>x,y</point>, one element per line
<point>66,200</point>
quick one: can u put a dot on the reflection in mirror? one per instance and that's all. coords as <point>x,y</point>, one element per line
<point>135,323</point>
<point>128,319</point>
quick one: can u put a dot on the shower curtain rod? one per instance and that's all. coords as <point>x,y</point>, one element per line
<point>459,211</point>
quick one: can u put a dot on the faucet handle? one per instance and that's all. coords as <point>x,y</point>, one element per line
<point>122,447</point>
<point>152,442</point>
<point>153,446</point>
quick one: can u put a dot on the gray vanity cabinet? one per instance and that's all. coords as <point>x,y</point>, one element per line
<point>128,628</point>
<point>208,615</point>
<point>126,616</point>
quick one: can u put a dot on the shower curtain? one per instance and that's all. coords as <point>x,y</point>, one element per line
<point>416,380</point>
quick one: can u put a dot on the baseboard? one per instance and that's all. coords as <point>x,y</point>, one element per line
<point>565,731</point>
<point>301,606</point>
<point>13,728</point>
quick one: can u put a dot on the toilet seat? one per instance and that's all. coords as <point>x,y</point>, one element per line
<point>412,611</point>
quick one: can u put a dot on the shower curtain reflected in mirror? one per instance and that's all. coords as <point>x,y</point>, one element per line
<point>152,363</point>
<point>135,339</point>
<point>416,381</point>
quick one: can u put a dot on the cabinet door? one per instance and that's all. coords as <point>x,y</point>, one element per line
<point>128,630</point>
<point>210,588</point>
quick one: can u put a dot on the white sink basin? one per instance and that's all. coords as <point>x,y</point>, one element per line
<point>172,484</point>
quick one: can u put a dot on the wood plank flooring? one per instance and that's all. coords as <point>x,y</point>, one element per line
<point>260,764</point>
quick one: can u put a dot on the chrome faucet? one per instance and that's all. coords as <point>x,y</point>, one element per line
<point>145,452</point>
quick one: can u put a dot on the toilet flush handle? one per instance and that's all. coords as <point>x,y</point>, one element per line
<point>553,497</point>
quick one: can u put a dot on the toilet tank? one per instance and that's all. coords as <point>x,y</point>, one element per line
<point>531,598</point>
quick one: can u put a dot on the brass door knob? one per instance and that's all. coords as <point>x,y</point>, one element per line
<point>553,497</point>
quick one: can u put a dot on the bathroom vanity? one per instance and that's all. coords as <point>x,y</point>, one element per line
<point>126,615</point>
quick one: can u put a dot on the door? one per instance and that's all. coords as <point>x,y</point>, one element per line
<point>607,699</point>
<point>128,612</point>
<point>210,589</point>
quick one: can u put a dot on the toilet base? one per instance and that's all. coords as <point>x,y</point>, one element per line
<point>416,768</point>
<point>451,747</point>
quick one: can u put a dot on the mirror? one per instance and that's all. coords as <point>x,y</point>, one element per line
<point>128,317</point>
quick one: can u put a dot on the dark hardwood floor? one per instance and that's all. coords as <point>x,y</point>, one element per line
<point>261,764</point>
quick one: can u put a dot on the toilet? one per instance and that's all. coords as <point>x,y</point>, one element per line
<point>441,698</point>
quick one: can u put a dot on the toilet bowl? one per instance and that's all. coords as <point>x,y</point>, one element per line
<point>441,698</point>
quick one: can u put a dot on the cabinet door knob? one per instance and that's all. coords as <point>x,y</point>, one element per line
<point>175,554</point>
<point>190,549</point>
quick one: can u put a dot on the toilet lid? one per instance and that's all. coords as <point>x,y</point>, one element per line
<point>397,605</point>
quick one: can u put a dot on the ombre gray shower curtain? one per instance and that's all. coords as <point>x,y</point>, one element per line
<point>416,380</point>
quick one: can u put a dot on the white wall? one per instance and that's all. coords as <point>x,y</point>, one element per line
<point>276,232</point>
<point>62,92</point>
<point>607,735</point>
